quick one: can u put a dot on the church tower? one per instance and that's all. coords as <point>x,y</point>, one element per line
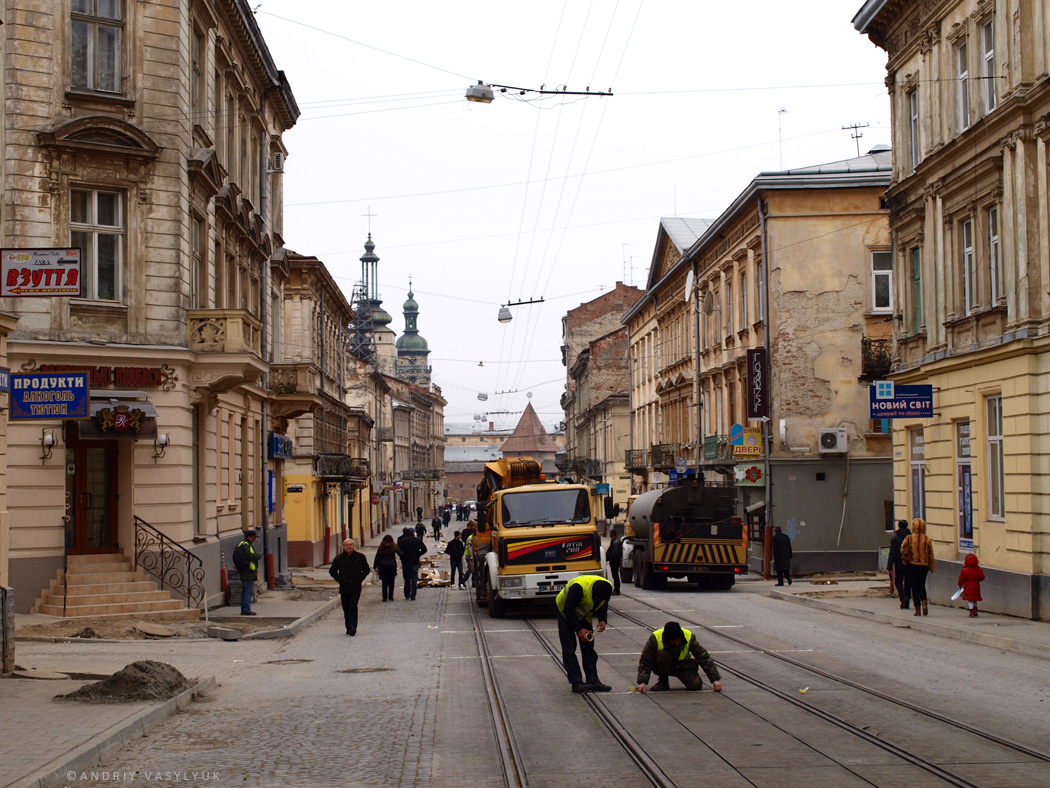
<point>371,338</point>
<point>412,349</point>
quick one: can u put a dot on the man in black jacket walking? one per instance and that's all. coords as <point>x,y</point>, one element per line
<point>614,555</point>
<point>454,550</point>
<point>350,568</point>
<point>896,563</point>
<point>782,555</point>
<point>412,549</point>
<point>246,561</point>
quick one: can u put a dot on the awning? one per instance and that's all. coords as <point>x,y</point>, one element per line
<point>119,415</point>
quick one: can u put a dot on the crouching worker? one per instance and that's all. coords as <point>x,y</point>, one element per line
<point>673,651</point>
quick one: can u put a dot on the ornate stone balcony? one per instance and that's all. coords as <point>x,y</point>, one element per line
<point>224,331</point>
<point>295,390</point>
<point>663,455</point>
<point>634,460</point>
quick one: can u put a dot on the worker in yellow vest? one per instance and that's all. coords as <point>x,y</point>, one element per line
<point>583,599</point>
<point>674,651</point>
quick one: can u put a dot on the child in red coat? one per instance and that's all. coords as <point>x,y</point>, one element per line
<point>970,581</point>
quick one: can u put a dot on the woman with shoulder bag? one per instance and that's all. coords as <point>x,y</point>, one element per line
<point>385,565</point>
<point>917,555</point>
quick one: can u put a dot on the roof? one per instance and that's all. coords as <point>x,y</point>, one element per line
<point>683,232</point>
<point>530,435</point>
<point>867,14</point>
<point>471,454</point>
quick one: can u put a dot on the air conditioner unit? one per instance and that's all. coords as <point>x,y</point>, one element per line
<point>278,162</point>
<point>833,441</point>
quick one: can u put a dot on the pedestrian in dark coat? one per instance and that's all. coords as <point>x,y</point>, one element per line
<point>896,565</point>
<point>385,564</point>
<point>614,555</point>
<point>782,555</point>
<point>349,568</point>
<point>421,530</point>
<point>246,561</point>
<point>917,554</point>
<point>419,513</point>
<point>412,549</point>
<point>970,579</point>
<point>454,550</point>
<point>435,524</point>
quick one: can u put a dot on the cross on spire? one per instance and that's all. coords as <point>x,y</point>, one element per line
<point>370,215</point>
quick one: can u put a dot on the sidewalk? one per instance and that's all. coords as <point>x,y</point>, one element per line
<point>861,598</point>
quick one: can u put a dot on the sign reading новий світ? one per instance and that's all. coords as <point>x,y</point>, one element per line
<point>889,401</point>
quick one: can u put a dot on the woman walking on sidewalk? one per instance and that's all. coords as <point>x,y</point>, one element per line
<point>385,564</point>
<point>917,555</point>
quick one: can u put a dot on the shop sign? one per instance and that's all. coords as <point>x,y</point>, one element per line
<point>36,395</point>
<point>887,400</point>
<point>750,474</point>
<point>40,273</point>
<point>601,489</point>
<point>281,446</point>
<point>5,379</point>
<point>122,377</point>
<point>271,486</point>
<point>746,441</point>
<point>120,418</point>
<point>294,488</point>
<point>757,393</point>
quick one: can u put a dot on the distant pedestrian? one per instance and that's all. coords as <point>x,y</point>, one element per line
<point>385,564</point>
<point>421,530</point>
<point>419,513</point>
<point>412,549</point>
<point>468,559</point>
<point>674,651</point>
<point>455,550</point>
<point>246,561</point>
<point>917,555</point>
<point>896,565</point>
<point>614,555</point>
<point>584,598</point>
<point>435,525</point>
<point>782,555</point>
<point>446,516</point>
<point>349,568</point>
<point>970,580</point>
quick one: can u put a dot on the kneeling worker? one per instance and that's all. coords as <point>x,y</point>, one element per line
<point>584,598</point>
<point>673,651</point>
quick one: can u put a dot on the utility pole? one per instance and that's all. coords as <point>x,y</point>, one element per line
<point>856,127</point>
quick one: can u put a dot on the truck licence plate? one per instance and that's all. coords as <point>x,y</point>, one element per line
<point>550,588</point>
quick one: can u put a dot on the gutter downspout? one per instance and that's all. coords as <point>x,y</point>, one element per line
<point>695,306</point>
<point>268,561</point>
<point>767,543</point>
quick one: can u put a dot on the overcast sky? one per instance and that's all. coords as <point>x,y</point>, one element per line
<point>552,197</point>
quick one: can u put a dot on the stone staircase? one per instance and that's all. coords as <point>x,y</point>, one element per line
<point>106,584</point>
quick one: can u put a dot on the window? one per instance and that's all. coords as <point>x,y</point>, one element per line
<point>729,308</point>
<point>197,50</point>
<point>96,47</point>
<point>996,478</point>
<point>760,288</point>
<point>718,317</point>
<point>993,255</point>
<point>916,289</point>
<point>917,472</point>
<point>968,273</point>
<point>96,225</point>
<point>743,301</point>
<point>962,94</point>
<point>882,281</point>
<point>988,65</point>
<point>198,273</point>
<point>913,128</point>
<point>964,481</point>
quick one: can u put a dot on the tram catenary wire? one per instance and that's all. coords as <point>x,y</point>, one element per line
<point>917,760</point>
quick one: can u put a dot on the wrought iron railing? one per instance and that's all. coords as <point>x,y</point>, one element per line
<point>342,466</point>
<point>593,468</point>
<point>876,358</point>
<point>173,566</point>
<point>663,455</point>
<point>717,448</point>
<point>634,460</point>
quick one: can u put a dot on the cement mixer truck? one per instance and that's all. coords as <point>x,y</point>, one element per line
<point>689,531</point>
<point>531,536</point>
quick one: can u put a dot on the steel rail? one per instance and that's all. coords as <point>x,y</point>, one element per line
<point>509,753</point>
<point>979,732</point>
<point>646,765</point>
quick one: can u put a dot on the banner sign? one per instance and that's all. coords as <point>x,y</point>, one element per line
<point>281,446</point>
<point>5,379</point>
<point>889,401</point>
<point>40,273</point>
<point>750,474</point>
<point>601,489</point>
<point>757,393</point>
<point>746,441</point>
<point>36,395</point>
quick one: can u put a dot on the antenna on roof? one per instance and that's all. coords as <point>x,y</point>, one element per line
<point>856,127</point>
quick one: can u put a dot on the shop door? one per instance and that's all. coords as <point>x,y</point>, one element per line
<point>91,497</point>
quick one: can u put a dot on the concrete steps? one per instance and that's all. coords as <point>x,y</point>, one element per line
<point>107,585</point>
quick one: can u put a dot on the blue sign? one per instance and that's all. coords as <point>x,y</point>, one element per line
<point>736,435</point>
<point>280,446</point>
<point>889,401</point>
<point>672,476</point>
<point>271,481</point>
<point>601,489</point>
<point>50,395</point>
<point>5,379</point>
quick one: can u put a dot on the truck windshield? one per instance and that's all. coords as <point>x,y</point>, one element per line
<point>546,507</point>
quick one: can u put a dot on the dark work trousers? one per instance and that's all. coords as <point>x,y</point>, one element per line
<point>386,576</point>
<point>411,580</point>
<point>917,581</point>
<point>664,666</point>
<point>615,567</point>
<point>469,572</point>
<point>569,641</point>
<point>349,600</point>
<point>455,565</point>
<point>783,572</point>
<point>900,580</point>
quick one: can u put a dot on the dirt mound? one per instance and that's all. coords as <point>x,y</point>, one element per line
<point>142,680</point>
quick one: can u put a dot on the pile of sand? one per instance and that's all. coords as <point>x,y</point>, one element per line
<point>142,680</point>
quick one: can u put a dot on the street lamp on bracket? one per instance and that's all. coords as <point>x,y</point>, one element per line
<point>483,92</point>
<point>505,315</point>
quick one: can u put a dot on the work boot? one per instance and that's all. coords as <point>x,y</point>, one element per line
<point>597,686</point>
<point>925,609</point>
<point>580,687</point>
<point>918,611</point>
<point>660,686</point>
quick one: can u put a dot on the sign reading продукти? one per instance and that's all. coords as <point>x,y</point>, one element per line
<point>40,273</point>
<point>889,401</point>
<point>36,395</point>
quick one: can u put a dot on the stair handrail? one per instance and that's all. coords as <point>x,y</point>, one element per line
<point>170,563</point>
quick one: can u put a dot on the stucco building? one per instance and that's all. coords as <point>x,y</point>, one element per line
<point>969,83</point>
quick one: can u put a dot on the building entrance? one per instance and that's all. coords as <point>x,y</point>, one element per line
<point>91,496</point>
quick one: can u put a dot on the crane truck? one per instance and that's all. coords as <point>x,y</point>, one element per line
<point>531,536</point>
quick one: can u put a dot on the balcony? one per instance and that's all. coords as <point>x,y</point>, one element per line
<point>593,468</point>
<point>224,331</point>
<point>717,449</point>
<point>876,358</point>
<point>635,460</point>
<point>342,467</point>
<point>663,455</point>
<point>295,390</point>
<point>385,434</point>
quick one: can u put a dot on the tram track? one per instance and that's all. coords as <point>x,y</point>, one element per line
<point>931,767</point>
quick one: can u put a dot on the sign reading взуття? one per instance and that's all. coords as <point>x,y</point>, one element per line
<point>889,401</point>
<point>36,395</point>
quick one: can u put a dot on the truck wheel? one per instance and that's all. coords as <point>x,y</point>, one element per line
<point>626,575</point>
<point>482,596</point>
<point>497,605</point>
<point>648,578</point>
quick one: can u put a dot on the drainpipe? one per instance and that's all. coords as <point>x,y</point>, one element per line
<point>695,305</point>
<point>767,544</point>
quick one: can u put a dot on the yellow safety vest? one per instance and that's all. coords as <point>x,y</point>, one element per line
<point>686,635</point>
<point>587,607</point>
<point>251,552</point>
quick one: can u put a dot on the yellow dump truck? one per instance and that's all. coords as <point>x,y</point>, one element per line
<point>531,536</point>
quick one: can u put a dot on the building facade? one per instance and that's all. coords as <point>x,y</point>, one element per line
<point>969,83</point>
